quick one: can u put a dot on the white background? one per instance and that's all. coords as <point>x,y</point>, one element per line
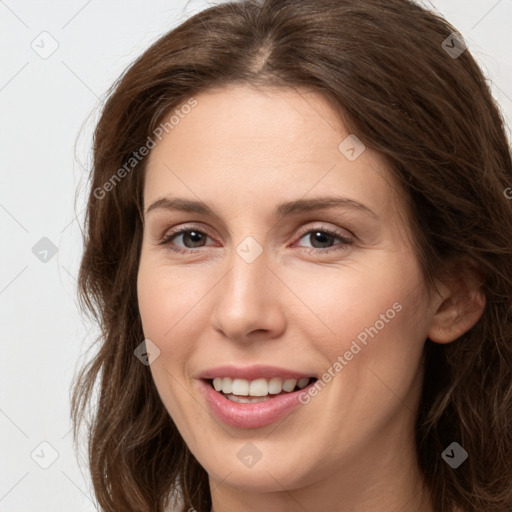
<point>48,108</point>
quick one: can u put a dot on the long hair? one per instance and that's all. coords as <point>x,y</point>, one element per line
<point>403,82</point>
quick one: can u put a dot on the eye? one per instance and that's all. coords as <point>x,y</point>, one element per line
<point>322,238</point>
<point>192,238</point>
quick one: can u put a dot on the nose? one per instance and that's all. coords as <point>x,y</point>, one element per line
<point>248,300</point>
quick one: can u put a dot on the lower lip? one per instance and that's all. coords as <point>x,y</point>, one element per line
<point>252,415</point>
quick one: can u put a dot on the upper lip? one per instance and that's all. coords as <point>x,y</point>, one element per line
<point>253,372</point>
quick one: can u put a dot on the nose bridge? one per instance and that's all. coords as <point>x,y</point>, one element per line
<point>248,276</point>
<point>246,300</point>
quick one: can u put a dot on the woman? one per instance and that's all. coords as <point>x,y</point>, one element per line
<point>298,247</point>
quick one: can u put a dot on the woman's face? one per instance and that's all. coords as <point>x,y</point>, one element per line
<point>274,280</point>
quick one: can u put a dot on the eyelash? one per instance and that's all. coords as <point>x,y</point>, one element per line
<point>344,240</point>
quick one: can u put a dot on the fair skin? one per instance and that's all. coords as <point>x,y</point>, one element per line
<point>243,151</point>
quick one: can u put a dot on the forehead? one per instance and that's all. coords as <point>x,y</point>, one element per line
<point>241,118</point>
<point>242,145</point>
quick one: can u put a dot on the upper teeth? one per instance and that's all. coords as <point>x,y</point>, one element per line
<point>258,387</point>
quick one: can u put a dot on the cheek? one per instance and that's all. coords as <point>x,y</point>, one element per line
<point>163,310</point>
<point>381,292</point>
<point>385,338</point>
<point>161,307</point>
<point>171,311</point>
<point>377,319</point>
<point>168,297</point>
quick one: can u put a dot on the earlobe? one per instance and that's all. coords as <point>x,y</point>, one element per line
<point>462,304</point>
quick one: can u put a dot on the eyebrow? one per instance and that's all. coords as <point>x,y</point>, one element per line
<point>282,210</point>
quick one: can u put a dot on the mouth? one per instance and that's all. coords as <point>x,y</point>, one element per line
<point>248,404</point>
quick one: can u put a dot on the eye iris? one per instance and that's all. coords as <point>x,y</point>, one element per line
<point>319,236</point>
<point>193,234</point>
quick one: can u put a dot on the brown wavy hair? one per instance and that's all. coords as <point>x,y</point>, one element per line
<point>434,120</point>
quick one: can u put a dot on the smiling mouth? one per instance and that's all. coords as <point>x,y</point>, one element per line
<point>259,390</point>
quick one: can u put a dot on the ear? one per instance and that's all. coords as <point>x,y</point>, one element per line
<point>460,303</point>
